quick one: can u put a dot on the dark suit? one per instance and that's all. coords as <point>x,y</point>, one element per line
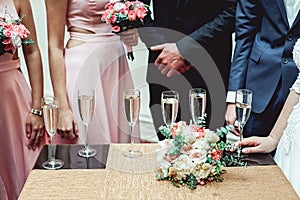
<point>263,59</point>
<point>192,25</point>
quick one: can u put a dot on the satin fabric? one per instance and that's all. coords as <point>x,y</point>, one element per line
<point>16,160</point>
<point>98,63</point>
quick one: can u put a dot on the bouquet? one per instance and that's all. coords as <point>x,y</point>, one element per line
<point>12,34</point>
<point>193,155</point>
<point>123,15</point>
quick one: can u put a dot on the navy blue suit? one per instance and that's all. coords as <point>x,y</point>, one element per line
<point>262,59</point>
<point>195,27</point>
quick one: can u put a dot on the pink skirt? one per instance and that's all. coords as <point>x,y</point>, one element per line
<point>99,63</point>
<point>16,160</point>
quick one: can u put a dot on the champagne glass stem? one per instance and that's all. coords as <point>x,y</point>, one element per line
<point>239,150</point>
<point>131,136</point>
<point>52,152</point>
<point>86,146</point>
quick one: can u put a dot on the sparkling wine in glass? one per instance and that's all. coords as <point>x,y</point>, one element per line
<point>169,106</point>
<point>86,104</point>
<point>132,101</point>
<point>50,107</point>
<point>197,102</point>
<point>243,102</point>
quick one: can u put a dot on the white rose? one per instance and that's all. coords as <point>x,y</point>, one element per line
<point>119,6</point>
<point>16,41</point>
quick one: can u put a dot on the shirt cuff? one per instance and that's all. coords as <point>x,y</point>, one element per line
<point>230,97</point>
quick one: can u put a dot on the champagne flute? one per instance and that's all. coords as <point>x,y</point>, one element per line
<point>132,101</point>
<point>169,106</point>
<point>50,108</point>
<point>243,102</point>
<point>197,101</point>
<point>86,104</point>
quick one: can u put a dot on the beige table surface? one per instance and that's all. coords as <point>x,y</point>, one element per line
<point>127,178</point>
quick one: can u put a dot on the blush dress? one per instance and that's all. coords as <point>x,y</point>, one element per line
<point>16,160</point>
<point>99,63</point>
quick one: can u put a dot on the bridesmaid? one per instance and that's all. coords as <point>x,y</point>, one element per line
<point>21,124</point>
<point>93,57</point>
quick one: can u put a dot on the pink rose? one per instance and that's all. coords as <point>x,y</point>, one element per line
<point>8,47</point>
<point>131,15</point>
<point>116,29</point>
<point>6,41</point>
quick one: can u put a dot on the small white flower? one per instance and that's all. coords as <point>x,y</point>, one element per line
<point>16,41</point>
<point>119,6</point>
<point>211,137</point>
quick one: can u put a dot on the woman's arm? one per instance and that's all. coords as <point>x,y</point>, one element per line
<point>56,18</point>
<point>269,143</point>
<point>34,123</point>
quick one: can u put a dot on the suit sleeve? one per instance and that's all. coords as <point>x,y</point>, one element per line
<point>150,34</point>
<point>247,25</point>
<point>223,22</point>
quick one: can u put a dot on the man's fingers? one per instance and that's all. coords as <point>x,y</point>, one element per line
<point>158,47</point>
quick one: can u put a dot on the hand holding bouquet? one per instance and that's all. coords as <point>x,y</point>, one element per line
<point>12,34</point>
<point>123,15</point>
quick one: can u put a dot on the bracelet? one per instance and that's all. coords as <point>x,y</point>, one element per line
<point>36,112</point>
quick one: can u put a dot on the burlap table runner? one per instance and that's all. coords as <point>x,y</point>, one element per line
<point>126,178</point>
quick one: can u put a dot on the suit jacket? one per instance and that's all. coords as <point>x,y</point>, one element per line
<point>211,24</point>
<point>263,52</point>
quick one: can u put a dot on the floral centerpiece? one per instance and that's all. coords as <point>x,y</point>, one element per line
<point>12,34</point>
<point>193,155</point>
<point>123,15</point>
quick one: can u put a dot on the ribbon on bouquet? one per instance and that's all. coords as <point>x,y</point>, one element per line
<point>129,53</point>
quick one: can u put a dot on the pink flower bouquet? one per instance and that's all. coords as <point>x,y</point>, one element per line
<point>12,34</point>
<point>123,15</point>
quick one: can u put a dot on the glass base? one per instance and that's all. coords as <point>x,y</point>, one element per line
<point>56,164</point>
<point>239,155</point>
<point>133,153</point>
<point>87,152</point>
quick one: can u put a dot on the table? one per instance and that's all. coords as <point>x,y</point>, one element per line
<point>68,153</point>
<point>126,178</point>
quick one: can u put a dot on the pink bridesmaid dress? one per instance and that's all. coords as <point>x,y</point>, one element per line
<point>99,63</point>
<point>16,160</point>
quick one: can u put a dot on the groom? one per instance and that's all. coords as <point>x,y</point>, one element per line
<point>265,35</point>
<point>190,46</point>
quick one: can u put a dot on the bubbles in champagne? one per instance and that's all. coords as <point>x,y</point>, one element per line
<point>243,112</point>
<point>86,108</point>
<point>132,107</point>
<point>50,113</point>
<point>197,106</point>
<point>169,110</point>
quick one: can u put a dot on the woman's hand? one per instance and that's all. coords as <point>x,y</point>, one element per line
<point>258,144</point>
<point>67,127</point>
<point>130,37</point>
<point>35,130</point>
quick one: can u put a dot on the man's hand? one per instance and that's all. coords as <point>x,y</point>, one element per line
<point>170,62</point>
<point>230,117</point>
